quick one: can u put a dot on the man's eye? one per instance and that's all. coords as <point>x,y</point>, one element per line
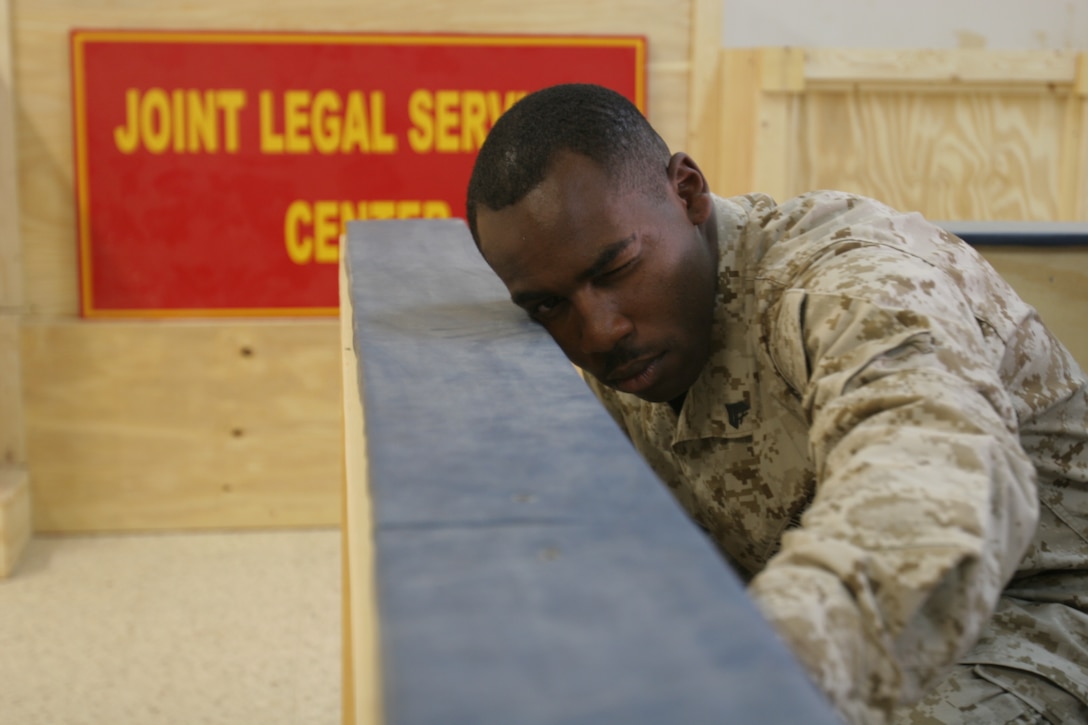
<point>616,271</point>
<point>544,308</point>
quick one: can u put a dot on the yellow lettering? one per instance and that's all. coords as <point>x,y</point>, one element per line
<point>156,133</point>
<point>271,141</point>
<point>127,137</point>
<point>421,134</point>
<point>177,102</point>
<point>436,210</point>
<point>296,121</point>
<point>494,106</point>
<point>347,213</point>
<point>299,248</point>
<point>201,127</point>
<point>325,123</point>
<point>312,230</point>
<point>449,121</point>
<point>183,121</point>
<point>231,102</point>
<point>446,107</point>
<point>356,128</point>
<point>326,229</point>
<point>382,143</point>
<point>473,120</point>
<point>383,210</point>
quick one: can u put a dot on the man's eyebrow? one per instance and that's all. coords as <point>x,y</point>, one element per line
<point>604,259</point>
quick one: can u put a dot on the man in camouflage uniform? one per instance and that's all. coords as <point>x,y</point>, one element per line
<point>880,436</point>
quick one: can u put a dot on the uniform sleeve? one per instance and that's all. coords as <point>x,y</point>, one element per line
<point>925,500</point>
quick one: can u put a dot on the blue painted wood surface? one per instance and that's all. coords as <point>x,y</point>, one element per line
<point>530,567</point>
<point>1019,234</point>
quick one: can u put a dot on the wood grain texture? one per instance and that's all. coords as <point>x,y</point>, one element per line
<point>984,156</point>
<point>739,101</point>
<point>969,134</point>
<point>1078,145</point>
<point>42,75</point>
<point>757,147</point>
<point>140,426</point>
<point>15,515</point>
<point>15,529</point>
<point>12,451</point>
<point>362,662</point>
<point>11,281</point>
<point>12,437</point>
<point>704,82</point>
<point>961,66</point>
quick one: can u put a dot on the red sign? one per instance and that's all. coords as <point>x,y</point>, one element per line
<point>215,171</point>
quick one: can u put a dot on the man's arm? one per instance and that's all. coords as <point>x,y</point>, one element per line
<point>925,499</point>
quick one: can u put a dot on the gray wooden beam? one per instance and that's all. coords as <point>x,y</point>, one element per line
<point>530,568</point>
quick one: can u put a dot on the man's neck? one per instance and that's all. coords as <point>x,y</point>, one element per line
<point>678,402</point>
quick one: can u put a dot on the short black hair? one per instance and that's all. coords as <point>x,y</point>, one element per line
<point>586,119</point>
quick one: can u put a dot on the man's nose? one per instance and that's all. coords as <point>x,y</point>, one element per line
<point>603,324</point>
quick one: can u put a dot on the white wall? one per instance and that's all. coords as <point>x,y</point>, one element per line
<point>993,24</point>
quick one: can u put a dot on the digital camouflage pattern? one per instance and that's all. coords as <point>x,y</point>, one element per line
<point>892,449</point>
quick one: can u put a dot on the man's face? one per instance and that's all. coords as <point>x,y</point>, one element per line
<point>623,280</point>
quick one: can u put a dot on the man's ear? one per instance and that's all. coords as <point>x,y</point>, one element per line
<point>687,180</point>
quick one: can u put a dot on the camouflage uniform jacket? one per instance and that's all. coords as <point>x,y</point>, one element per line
<point>890,446</point>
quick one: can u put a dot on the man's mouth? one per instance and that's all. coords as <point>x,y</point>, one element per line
<point>637,376</point>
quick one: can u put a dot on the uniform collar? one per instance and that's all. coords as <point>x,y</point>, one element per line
<point>719,404</point>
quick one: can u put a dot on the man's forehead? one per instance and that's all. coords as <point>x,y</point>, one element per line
<point>545,200</point>
<point>562,193</point>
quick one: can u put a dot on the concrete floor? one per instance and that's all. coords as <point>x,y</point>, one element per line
<point>230,628</point>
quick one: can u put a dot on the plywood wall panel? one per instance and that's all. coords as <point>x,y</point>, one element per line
<point>136,426</point>
<point>951,156</point>
<point>10,248</point>
<point>956,135</point>
<point>130,426</point>
<point>12,448</point>
<point>44,113</point>
<point>15,518</point>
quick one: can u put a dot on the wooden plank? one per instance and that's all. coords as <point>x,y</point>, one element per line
<point>42,77</point>
<point>760,89</point>
<point>11,282</point>
<point>15,527</point>
<point>1069,171</point>
<point>781,80</point>
<point>138,426</point>
<point>1078,147</point>
<point>15,515</point>
<point>12,450</point>
<point>704,84</point>
<point>530,567</point>
<point>362,662</point>
<point>961,66</point>
<point>739,104</point>
<point>782,70</point>
<point>12,436</point>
